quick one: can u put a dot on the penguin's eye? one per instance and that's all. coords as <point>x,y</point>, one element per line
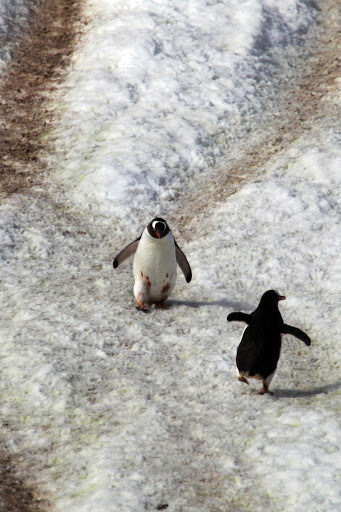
<point>160,224</point>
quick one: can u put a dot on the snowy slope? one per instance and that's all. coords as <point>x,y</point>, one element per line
<point>160,91</point>
<point>108,409</point>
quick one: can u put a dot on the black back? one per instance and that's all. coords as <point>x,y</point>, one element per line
<point>260,347</point>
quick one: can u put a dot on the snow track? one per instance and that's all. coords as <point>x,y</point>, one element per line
<point>107,409</point>
<point>300,107</point>
<point>38,61</point>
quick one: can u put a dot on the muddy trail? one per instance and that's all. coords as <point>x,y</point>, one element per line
<point>301,106</point>
<point>39,64</point>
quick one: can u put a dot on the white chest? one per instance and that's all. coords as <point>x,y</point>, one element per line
<point>155,266</point>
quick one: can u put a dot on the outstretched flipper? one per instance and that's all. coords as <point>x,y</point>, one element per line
<point>183,263</point>
<point>237,316</point>
<point>126,252</point>
<point>294,331</point>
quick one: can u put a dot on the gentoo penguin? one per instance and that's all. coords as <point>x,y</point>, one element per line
<point>259,350</point>
<point>156,255</point>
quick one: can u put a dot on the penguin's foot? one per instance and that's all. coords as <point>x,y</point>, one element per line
<point>242,379</point>
<point>265,389</point>
<point>140,302</point>
<point>160,305</point>
<point>141,306</point>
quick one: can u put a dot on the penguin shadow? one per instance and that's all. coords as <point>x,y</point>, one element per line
<point>298,393</point>
<point>224,303</point>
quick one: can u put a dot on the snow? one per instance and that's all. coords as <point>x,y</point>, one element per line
<point>13,19</point>
<point>214,63</point>
<point>108,409</point>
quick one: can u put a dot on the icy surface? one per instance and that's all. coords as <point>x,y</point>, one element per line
<point>112,410</point>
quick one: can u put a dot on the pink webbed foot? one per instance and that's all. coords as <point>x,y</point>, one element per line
<point>242,379</point>
<point>141,306</point>
<point>160,305</point>
<point>140,303</point>
<point>265,389</point>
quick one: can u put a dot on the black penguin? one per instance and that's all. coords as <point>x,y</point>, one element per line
<point>260,347</point>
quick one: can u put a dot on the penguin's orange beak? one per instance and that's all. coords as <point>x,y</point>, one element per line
<point>282,297</point>
<point>158,234</point>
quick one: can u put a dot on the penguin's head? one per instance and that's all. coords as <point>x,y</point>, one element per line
<point>158,228</point>
<point>271,298</point>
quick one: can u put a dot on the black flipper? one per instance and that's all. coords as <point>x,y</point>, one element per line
<point>239,317</point>
<point>294,331</point>
<point>126,252</point>
<point>183,263</point>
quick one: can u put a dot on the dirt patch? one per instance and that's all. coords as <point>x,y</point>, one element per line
<point>15,495</point>
<point>37,66</point>
<point>148,284</point>
<point>165,288</point>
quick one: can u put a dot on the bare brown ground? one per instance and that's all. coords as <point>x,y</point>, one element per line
<point>37,66</point>
<point>15,494</point>
<point>300,108</point>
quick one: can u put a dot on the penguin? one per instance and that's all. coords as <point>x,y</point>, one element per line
<point>154,267</point>
<point>260,346</point>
